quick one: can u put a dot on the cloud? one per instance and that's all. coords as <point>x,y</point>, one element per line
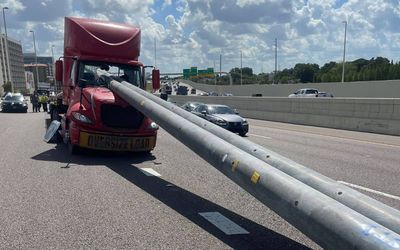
<point>195,32</point>
<point>14,6</point>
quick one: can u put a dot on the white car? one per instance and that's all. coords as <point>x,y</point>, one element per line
<point>305,93</point>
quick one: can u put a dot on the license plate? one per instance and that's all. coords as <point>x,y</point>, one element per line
<point>116,143</point>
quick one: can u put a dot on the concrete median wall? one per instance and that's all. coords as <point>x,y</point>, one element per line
<point>361,114</point>
<point>365,89</point>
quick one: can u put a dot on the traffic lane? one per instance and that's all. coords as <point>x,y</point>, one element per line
<point>84,202</point>
<point>49,198</point>
<point>372,138</point>
<point>352,160</point>
<point>185,203</point>
<point>188,170</point>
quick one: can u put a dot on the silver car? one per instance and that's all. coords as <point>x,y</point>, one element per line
<point>223,116</point>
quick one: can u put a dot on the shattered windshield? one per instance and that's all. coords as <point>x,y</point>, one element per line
<point>92,72</point>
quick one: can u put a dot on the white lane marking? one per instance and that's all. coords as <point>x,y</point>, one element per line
<point>224,224</point>
<point>265,137</point>
<point>149,172</point>
<point>371,190</point>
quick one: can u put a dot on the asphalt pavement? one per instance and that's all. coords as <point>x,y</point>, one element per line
<point>50,199</point>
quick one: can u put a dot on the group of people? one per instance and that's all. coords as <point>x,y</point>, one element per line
<point>39,101</point>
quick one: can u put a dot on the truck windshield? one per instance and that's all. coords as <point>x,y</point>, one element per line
<point>92,73</point>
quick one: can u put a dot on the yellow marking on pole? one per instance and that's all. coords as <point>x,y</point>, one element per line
<point>255,177</point>
<point>142,103</point>
<point>235,164</point>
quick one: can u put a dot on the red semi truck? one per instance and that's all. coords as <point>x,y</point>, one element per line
<point>90,114</point>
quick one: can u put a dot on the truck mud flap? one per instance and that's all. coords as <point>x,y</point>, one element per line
<point>51,133</point>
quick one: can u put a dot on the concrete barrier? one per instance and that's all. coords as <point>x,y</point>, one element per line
<point>361,114</point>
<point>365,89</point>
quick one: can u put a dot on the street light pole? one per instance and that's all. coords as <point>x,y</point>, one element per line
<point>52,65</point>
<point>34,48</point>
<point>344,49</point>
<point>155,53</point>
<point>241,69</point>
<point>215,75</point>
<point>7,53</point>
<point>220,65</point>
<point>276,59</point>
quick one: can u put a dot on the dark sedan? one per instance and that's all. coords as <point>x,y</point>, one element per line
<point>14,103</point>
<point>224,117</point>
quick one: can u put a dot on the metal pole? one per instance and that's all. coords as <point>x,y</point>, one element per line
<point>37,72</point>
<point>215,75</point>
<point>377,211</point>
<point>326,221</point>
<point>344,49</point>
<point>241,69</point>
<point>155,53</point>
<point>276,59</point>
<point>220,65</point>
<point>7,52</point>
<point>53,68</point>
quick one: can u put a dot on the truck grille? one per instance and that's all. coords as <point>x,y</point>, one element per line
<point>114,116</point>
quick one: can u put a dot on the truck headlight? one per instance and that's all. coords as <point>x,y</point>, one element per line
<point>152,126</point>
<point>81,117</point>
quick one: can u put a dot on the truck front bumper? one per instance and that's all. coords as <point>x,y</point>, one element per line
<point>138,142</point>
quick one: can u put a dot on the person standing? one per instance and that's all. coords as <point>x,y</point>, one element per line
<point>35,101</point>
<point>45,101</point>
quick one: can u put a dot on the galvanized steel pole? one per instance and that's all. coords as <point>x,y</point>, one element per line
<point>365,205</point>
<point>326,221</point>
<point>344,49</point>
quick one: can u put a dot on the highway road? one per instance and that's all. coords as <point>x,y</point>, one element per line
<point>171,199</point>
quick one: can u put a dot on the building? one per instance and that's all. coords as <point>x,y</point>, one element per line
<point>29,58</point>
<point>30,82</point>
<point>14,72</point>
<point>42,71</point>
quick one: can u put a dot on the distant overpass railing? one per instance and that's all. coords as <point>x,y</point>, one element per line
<point>325,220</point>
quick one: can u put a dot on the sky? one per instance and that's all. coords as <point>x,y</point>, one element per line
<point>196,32</point>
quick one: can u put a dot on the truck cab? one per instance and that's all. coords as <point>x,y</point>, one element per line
<point>91,115</point>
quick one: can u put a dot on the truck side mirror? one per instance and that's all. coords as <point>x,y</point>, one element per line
<point>59,70</point>
<point>155,78</point>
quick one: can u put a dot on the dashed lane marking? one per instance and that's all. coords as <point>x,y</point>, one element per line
<point>261,136</point>
<point>150,172</point>
<point>371,190</point>
<point>224,224</point>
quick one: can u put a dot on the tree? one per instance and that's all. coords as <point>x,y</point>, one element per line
<point>7,87</point>
<point>306,72</point>
<point>247,71</point>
